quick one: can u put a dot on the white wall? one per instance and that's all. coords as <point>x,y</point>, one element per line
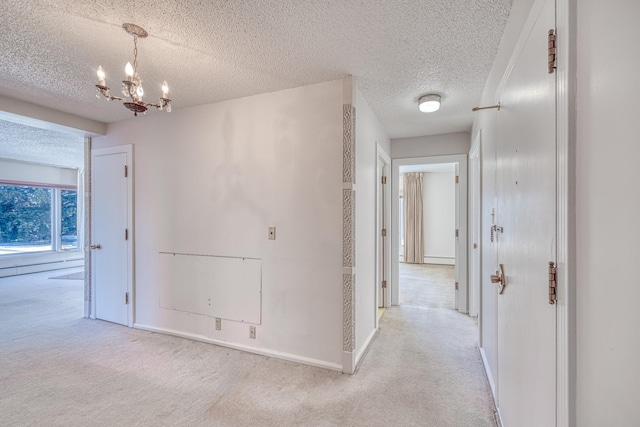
<point>25,113</point>
<point>369,133</point>
<point>212,179</point>
<point>608,213</point>
<point>439,201</point>
<point>435,145</point>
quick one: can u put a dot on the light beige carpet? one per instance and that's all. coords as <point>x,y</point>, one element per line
<point>58,369</point>
<point>427,285</point>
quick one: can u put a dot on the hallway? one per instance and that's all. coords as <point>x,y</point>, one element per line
<point>56,368</point>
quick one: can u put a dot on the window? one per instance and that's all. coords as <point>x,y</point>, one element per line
<point>37,219</point>
<point>69,220</point>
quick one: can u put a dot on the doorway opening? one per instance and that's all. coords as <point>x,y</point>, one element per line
<point>429,230</point>
<point>427,223</point>
<point>41,218</point>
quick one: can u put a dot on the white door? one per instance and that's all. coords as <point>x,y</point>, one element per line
<point>526,186</point>
<point>111,234</point>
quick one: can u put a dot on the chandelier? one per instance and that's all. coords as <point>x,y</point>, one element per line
<point>132,85</point>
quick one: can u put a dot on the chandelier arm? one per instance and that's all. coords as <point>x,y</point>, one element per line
<point>104,90</point>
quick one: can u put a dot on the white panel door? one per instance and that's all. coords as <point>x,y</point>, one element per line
<point>110,250</point>
<point>526,186</point>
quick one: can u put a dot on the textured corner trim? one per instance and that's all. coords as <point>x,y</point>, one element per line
<point>348,312</point>
<point>348,228</point>
<point>348,144</point>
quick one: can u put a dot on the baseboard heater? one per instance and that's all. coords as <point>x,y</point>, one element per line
<point>37,267</point>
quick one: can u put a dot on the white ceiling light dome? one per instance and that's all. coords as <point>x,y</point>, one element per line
<point>429,103</point>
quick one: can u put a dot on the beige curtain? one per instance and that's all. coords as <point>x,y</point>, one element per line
<point>413,236</point>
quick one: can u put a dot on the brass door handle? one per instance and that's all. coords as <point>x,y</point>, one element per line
<point>96,246</point>
<point>500,278</point>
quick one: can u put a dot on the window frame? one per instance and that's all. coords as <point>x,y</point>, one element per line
<point>56,217</point>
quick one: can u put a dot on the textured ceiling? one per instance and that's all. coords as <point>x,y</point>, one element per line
<point>26,143</point>
<point>215,50</point>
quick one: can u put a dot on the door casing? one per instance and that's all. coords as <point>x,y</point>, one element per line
<point>475,229</point>
<point>128,150</point>
<point>383,220</point>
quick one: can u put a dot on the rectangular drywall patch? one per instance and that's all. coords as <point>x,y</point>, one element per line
<point>226,287</point>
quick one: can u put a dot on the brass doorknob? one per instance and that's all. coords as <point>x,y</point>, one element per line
<point>96,246</point>
<point>500,278</point>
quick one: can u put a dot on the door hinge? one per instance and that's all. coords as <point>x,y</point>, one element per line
<point>384,284</point>
<point>384,232</point>
<point>552,51</point>
<point>457,232</point>
<point>126,171</point>
<point>384,179</point>
<point>457,285</point>
<point>457,179</point>
<point>126,234</point>
<point>126,297</point>
<point>552,283</point>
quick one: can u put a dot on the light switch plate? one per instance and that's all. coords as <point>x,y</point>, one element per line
<point>252,332</point>
<point>272,233</point>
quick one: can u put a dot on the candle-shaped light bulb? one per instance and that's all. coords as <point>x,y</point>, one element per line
<point>101,75</point>
<point>140,91</point>
<point>128,70</point>
<point>165,89</point>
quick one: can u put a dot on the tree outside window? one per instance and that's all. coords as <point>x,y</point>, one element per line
<point>28,222</point>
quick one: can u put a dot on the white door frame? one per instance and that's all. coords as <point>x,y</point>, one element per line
<point>565,177</point>
<point>461,160</point>
<point>475,229</point>
<point>383,159</point>
<point>128,150</point>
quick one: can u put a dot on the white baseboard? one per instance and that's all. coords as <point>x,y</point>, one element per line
<point>487,371</point>
<point>263,352</point>
<point>348,362</point>
<point>499,418</point>
<point>365,346</point>
<point>492,386</point>
<point>40,267</point>
<point>440,260</point>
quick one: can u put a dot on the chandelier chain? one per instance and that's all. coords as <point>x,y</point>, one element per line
<point>135,55</point>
